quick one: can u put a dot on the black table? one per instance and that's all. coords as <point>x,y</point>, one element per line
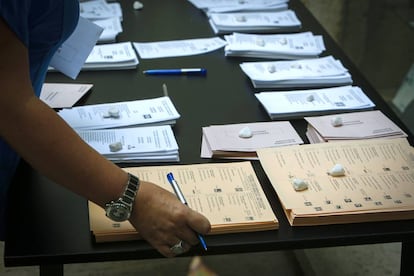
<point>48,225</point>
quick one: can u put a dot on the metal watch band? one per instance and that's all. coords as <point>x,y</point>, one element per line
<point>130,191</point>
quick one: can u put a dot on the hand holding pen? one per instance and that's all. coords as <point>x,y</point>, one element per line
<point>178,247</point>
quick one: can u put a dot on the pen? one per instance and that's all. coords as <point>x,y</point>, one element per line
<point>181,197</point>
<point>182,71</point>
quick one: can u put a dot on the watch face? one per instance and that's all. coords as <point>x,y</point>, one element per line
<point>118,212</point>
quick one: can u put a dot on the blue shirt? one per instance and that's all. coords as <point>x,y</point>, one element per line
<point>42,26</point>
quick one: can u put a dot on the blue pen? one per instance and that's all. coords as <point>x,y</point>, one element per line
<point>181,197</point>
<point>182,71</point>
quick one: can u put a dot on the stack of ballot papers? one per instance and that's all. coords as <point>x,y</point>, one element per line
<point>106,15</point>
<point>112,56</point>
<point>240,141</point>
<point>235,203</point>
<point>221,6</point>
<point>135,144</point>
<point>351,126</point>
<point>343,182</point>
<point>317,72</point>
<point>254,22</point>
<point>296,104</point>
<point>156,111</point>
<point>279,46</point>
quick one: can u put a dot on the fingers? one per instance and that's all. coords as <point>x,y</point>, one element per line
<point>168,225</point>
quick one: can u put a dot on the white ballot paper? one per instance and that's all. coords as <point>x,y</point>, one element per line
<point>319,72</point>
<point>61,95</point>
<point>238,5</point>
<point>136,144</point>
<point>349,126</point>
<point>100,9</point>
<point>154,111</point>
<point>240,141</point>
<point>256,22</point>
<point>296,104</point>
<point>112,56</point>
<point>70,57</point>
<point>279,46</point>
<point>111,28</point>
<point>176,48</point>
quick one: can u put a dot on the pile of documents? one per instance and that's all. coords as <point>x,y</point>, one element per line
<point>135,144</point>
<point>254,22</point>
<point>106,15</point>
<point>156,111</point>
<point>375,183</point>
<point>233,204</point>
<point>279,46</point>
<point>240,141</point>
<point>221,6</point>
<point>297,104</point>
<point>317,72</point>
<point>352,126</point>
<point>112,56</point>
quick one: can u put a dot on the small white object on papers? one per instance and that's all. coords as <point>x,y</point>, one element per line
<point>176,48</point>
<point>137,144</point>
<point>293,104</point>
<point>254,22</point>
<point>319,72</point>
<point>154,111</point>
<point>224,141</point>
<point>61,95</point>
<point>70,57</point>
<point>274,46</point>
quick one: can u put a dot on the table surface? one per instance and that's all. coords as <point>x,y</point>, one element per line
<point>49,225</point>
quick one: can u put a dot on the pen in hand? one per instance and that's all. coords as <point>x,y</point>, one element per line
<point>181,197</point>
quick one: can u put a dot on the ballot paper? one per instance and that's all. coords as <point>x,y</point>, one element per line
<point>111,28</point>
<point>240,141</point>
<point>317,72</point>
<point>376,184</point>
<point>100,9</point>
<point>351,126</point>
<point>62,95</point>
<point>295,104</point>
<point>135,144</point>
<point>228,194</point>
<point>176,48</point>
<point>155,111</point>
<point>270,46</point>
<point>254,22</point>
<point>112,56</point>
<point>240,5</point>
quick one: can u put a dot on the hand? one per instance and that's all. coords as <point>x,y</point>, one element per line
<point>162,220</point>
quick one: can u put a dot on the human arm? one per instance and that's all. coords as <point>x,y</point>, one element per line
<point>45,141</point>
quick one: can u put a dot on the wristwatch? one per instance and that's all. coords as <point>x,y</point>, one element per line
<point>120,210</point>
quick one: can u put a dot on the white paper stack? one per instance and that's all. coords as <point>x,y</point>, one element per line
<point>106,15</point>
<point>279,46</point>
<point>296,104</point>
<point>156,111</point>
<point>112,56</point>
<point>254,22</point>
<point>222,6</point>
<point>352,126</point>
<point>240,141</point>
<point>139,144</point>
<point>317,72</point>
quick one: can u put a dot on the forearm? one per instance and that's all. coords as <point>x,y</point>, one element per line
<point>44,140</point>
